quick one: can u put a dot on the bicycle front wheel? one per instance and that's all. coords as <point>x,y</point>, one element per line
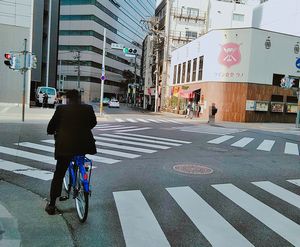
<point>67,182</point>
<point>82,199</point>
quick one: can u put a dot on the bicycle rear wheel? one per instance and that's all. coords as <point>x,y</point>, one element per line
<point>82,199</point>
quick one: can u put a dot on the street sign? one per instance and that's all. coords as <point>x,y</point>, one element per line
<point>103,77</point>
<point>117,46</point>
<point>129,55</point>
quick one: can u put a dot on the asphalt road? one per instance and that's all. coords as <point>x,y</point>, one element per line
<point>141,200</point>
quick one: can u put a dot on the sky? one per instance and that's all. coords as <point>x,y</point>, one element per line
<point>157,2</point>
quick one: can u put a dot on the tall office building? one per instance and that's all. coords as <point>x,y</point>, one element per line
<point>82,26</point>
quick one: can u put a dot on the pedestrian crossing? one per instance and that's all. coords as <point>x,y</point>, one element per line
<point>266,145</point>
<point>146,120</point>
<point>119,128</point>
<point>111,149</point>
<point>207,129</point>
<point>141,226</point>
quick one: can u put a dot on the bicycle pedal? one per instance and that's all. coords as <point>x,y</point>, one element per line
<point>63,198</point>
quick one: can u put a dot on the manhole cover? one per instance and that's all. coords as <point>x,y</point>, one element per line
<point>193,169</point>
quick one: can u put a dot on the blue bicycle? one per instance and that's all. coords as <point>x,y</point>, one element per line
<point>78,178</point>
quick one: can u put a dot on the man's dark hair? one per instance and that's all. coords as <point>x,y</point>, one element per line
<point>73,95</point>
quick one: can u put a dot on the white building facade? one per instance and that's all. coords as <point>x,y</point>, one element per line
<point>241,71</point>
<point>82,26</point>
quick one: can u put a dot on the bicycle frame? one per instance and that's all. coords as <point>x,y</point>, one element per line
<point>78,162</point>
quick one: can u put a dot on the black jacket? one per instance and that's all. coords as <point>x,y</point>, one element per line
<point>71,125</point>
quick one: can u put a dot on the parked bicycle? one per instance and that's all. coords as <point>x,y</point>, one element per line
<point>78,178</point>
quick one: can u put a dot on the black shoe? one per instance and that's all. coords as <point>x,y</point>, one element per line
<point>50,209</point>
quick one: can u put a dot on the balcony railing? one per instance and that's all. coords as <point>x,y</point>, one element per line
<point>188,14</point>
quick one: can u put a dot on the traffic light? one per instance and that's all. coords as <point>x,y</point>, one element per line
<point>31,61</point>
<point>131,51</point>
<point>9,60</point>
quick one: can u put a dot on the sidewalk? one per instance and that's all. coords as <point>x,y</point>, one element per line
<point>23,221</point>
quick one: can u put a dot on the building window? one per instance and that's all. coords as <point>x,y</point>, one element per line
<point>174,74</point>
<point>193,12</point>
<point>194,69</point>
<point>200,71</point>
<point>183,72</point>
<point>238,17</point>
<point>178,73</point>
<point>188,77</point>
<point>190,34</point>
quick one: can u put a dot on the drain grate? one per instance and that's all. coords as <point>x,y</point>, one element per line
<point>193,169</point>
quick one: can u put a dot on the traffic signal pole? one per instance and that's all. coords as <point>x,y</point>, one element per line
<point>103,73</point>
<point>24,80</point>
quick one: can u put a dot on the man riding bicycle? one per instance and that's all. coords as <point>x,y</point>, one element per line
<point>71,126</point>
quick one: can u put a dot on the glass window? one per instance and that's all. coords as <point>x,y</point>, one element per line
<point>174,74</point>
<point>200,71</point>
<point>238,17</point>
<point>193,12</point>
<point>188,77</point>
<point>191,34</point>
<point>183,72</point>
<point>178,74</point>
<point>194,69</point>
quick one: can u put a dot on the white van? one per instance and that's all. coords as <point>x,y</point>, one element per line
<point>51,91</point>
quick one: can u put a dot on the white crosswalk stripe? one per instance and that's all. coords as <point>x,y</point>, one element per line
<point>131,142</point>
<point>266,145</point>
<point>209,222</point>
<point>108,127</point>
<point>280,192</point>
<point>220,139</point>
<point>295,181</point>
<point>139,225</point>
<point>131,130</point>
<point>92,157</point>
<point>146,120</point>
<point>157,138</point>
<point>28,155</point>
<point>291,148</point>
<point>141,139</point>
<point>141,150</point>
<point>25,170</point>
<point>280,224</point>
<point>118,128</point>
<point>242,142</point>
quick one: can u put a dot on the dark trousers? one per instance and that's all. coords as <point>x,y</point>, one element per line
<point>60,171</point>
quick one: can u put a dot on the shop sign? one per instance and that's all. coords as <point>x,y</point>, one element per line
<point>230,54</point>
<point>233,74</point>
<point>291,108</point>
<point>250,105</point>
<point>298,63</point>
<point>261,106</point>
<point>277,107</point>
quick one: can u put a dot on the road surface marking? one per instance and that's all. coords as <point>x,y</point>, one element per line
<point>156,138</point>
<point>243,142</point>
<point>108,126</point>
<point>4,213</point>
<point>119,120</point>
<point>280,224</point>
<point>4,110</point>
<point>130,142</point>
<point>141,139</point>
<point>142,120</point>
<point>129,130</point>
<point>279,192</point>
<point>142,150</point>
<point>294,181</point>
<point>51,149</point>
<point>173,121</point>
<point>208,221</point>
<point>139,225</point>
<point>28,155</point>
<point>131,120</point>
<point>220,139</point>
<point>118,128</point>
<point>291,148</point>
<point>152,120</point>
<point>25,170</point>
<point>266,145</point>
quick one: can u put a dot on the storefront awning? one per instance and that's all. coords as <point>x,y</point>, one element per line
<point>185,91</point>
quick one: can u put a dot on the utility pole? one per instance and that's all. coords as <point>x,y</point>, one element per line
<point>103,73</point>
<point>156,76</point>
<point>135,84</point>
